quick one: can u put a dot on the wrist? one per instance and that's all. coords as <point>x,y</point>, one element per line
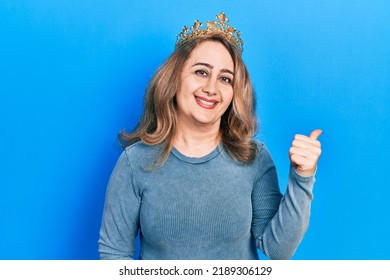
<point>305,173</point>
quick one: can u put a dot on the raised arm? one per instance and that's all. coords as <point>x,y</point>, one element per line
<point>279,223</point>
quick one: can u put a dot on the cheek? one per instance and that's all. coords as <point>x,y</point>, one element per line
<point>187,87</point>
<point>179,99</point>
<point>182,98</point>
<point>228,96</point>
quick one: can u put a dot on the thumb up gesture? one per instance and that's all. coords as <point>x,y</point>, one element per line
<point>305,151</point>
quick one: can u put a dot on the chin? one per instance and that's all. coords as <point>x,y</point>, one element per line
<point>206,121</point>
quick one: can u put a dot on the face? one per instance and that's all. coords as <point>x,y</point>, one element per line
<point>206,86</point>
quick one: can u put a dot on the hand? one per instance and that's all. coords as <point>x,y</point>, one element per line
<point>304,153</point>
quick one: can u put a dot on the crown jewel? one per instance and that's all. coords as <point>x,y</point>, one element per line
<point>220,26</point>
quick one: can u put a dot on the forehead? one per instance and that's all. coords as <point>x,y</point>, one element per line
<point>213,53</point>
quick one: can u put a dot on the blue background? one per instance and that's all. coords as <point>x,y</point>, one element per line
<point>73,74</point>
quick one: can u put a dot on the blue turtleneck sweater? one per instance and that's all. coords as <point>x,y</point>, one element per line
<point>202,208</point>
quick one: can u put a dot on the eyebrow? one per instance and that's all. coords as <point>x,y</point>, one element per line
<point>211,67</point>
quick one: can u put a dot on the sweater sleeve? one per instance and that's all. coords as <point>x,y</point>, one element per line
<point>120,220</point>
<point>280,222</point>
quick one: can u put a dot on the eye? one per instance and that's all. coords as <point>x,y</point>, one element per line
<point>226,80</point>
<point>201,72</point>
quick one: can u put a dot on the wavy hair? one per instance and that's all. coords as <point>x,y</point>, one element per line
<point>158,124</point>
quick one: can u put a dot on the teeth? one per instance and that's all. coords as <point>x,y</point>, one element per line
<point>205,102</point>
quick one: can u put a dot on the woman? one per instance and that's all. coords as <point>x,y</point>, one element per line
<point>193,180</point>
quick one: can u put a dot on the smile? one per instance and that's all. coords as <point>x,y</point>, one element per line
<point>205,103</point>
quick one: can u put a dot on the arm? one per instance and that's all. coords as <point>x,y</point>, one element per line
<point>279,223</point>
<point>120,221</point>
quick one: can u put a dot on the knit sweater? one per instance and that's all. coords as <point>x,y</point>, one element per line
<point>202,208</point>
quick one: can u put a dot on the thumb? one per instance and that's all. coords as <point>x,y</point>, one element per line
<point>315,134</point>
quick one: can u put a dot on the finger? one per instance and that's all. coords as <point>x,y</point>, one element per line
<point>303,164</point>
<point>315,134</point>
<point>307,139</point>
<point>311,153</point>
<point>299,161</point>
<point>301,152</point>
<point>305,144</point>
<point>310,158</point>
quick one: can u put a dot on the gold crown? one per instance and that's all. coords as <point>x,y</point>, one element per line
<point>219,26</point>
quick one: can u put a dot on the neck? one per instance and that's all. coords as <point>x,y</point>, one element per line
<point>196,142</point>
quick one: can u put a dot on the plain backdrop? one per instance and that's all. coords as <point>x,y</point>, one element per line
<point>73,74</point>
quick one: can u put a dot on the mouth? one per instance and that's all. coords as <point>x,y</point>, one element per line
<point>206,103</point>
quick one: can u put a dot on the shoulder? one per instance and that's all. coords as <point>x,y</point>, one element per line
<point>259,144</point>
<point>263,156</point>
<point>141,154</point>
<point>262,150</point>
<point>140,149</point>
<point>261,153</point>
<point>137,148</point>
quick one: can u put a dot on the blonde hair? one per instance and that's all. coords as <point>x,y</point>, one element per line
<point>158,124</point>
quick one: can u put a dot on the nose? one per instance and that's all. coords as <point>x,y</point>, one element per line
<point>211,87</point>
